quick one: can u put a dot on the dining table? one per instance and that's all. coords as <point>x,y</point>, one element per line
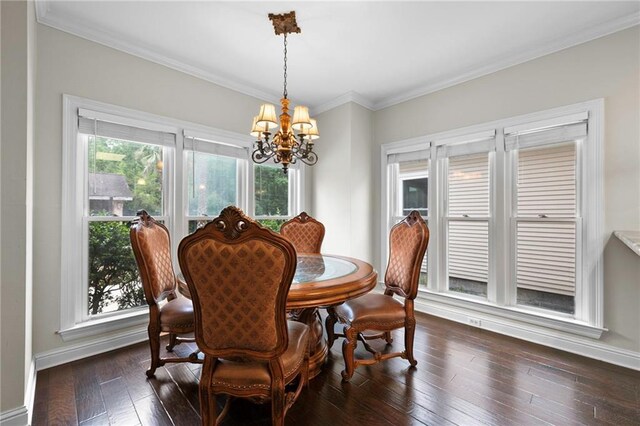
<point>320,281</point>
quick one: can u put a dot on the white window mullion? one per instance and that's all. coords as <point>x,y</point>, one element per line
<point>178,211</point>
<point>497,291</point>
<point>434,220</point>
<point>442,225</point>
<point>511,203</point>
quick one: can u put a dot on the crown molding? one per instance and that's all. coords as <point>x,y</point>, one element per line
<point>44,16</point>
<point>343,99</point>
<point>116,42</point>
<point>507,61</point>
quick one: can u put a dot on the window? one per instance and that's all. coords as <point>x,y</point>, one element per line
<point>123,177</point>
<point>408,189</point>
<point>545,213</point>
<point>274,200</point>
<point>468,224</point>
<point>515,225</point>
<point>214,176</point>
<point>117,161</point>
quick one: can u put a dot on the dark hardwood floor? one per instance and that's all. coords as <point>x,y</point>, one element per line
<point>465,376</point>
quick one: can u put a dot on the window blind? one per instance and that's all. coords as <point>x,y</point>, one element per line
<point>403,157</point>
<point>469,147</point>
<point>548,136</point>
<point>112,129</point>
<point>215,148</point>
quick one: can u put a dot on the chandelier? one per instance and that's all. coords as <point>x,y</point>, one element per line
<point>286,147</point>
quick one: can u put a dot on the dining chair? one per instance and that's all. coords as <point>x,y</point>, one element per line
<point>383,313</point>
<point>239,275</point>
<point>304,232</point>
<point>168,311</point>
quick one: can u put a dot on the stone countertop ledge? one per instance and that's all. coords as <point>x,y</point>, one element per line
<point>630,238</point>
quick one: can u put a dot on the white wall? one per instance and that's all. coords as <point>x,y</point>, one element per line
<point>331,193</point>
<point>363,160</point>
<point>342,185</point>
<point>71,65</point>
<point>16,158</point>
<point>607,68</point>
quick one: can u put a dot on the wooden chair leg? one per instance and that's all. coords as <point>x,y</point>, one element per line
<point>409,333</point>
<point>348,348</point>
<point>154,345</point>
<point>388,338</point>
<point>329,325</point>
<point>208,407</point>
<point>277,406</point>
<point>172,342</point>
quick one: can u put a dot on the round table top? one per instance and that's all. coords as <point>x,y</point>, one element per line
<point>326,279</point>
<point>323,280</point>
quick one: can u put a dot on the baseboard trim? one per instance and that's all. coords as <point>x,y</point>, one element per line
<point>16,417</point>
<point>553,338</point>
<point>74,352</point>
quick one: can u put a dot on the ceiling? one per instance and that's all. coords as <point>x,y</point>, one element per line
<point>374,53</point>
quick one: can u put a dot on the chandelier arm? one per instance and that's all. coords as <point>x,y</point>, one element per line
<point>310,159</point>
<point>259,157</point>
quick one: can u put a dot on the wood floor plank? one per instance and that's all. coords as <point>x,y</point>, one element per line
<point>151,412</point>
<point>118,402</point>
<point>182,375</point>
<point>101,420</point>
<point>465,376</point>
<point>89,402</point>
<point>177,406</point>
<point>62,399</point>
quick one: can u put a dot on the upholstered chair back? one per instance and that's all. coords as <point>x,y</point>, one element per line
<point>304,232</point>
<point>238,274</point>
<point>152,249</point>
<point>408,241</point>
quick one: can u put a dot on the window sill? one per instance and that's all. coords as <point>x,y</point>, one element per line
<point>96,327</point>
<point>492,317</point>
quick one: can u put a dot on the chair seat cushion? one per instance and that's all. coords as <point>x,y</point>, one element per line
<point>177,315</point>
<point>371,310</point>
<point>255,374</point>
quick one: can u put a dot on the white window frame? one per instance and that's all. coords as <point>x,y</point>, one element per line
<point>500,307</point>
<point>74,323</point>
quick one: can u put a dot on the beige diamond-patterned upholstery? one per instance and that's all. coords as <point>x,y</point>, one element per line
<point>153,243</point>
<point>237,287</point>
<point>151,247</point>
<point>239,275</point>
<point>408,242</point>
<point>304,232</point>
<point>405,243</point>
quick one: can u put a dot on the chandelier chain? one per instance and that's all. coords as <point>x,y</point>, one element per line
<point>285,65</point>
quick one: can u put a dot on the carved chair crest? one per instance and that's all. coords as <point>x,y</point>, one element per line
<point>232,222</point>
